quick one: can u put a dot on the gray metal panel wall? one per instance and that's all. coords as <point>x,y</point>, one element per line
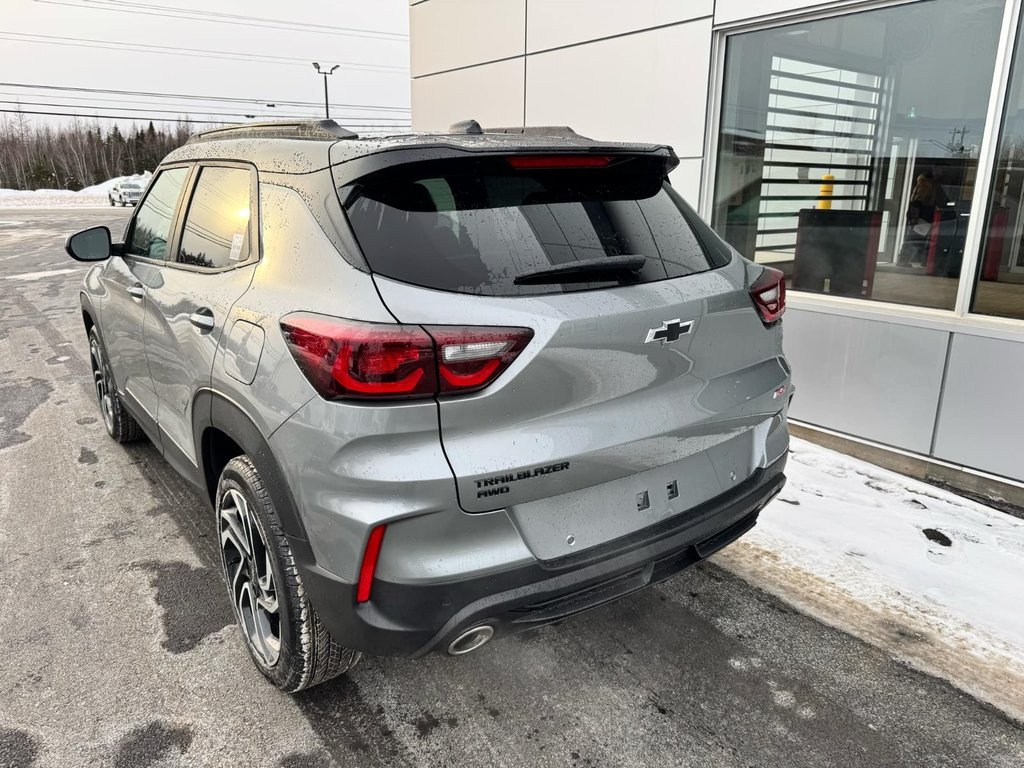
<point>875,380</point>
<point>981,423</point>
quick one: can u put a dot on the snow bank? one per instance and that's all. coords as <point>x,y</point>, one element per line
<point>104,187</point>
<point>49,198</point>
<point>930,576</point>
<point>95,195</point>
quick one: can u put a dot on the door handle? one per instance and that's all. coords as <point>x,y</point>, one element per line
<point>202,319</point>
<point>137,292</point>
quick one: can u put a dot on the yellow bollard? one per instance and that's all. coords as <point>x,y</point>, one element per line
<point>825,191</point>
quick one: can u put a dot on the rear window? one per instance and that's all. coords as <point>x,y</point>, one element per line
<point>475,225</point>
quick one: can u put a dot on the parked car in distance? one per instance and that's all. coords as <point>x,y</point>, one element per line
<point>437,388</point>
<point>126,193</point>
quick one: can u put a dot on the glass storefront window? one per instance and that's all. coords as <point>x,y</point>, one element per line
<point>848,147</point>
<point>999,288</point>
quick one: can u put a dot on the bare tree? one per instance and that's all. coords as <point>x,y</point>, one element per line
<point>80,153</point>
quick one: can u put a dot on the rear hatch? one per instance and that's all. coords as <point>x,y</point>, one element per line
<point>650,381</point>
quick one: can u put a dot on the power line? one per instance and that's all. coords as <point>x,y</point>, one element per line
<point>212,14</point>
<point>112,117</point>
<point>158,94</point>
<point>167,50</point>
<point>246,20</point>
<point>90,100</point>
<point>351,119</point>
<point>234,19</point>
<point>142,118</point>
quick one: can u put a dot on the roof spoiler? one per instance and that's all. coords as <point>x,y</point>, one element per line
<point>538,130</point>
<point>472,128</point>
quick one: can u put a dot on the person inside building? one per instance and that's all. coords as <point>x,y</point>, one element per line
<point>926,196</point>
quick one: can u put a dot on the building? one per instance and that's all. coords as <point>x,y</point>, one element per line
<point>905,325</point>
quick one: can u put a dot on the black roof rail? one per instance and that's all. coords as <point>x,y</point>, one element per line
<point>322,130</point>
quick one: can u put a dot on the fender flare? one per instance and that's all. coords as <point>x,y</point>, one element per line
<point>88,308</point>
<point>214,410</point>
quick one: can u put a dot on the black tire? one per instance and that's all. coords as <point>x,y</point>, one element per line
<point>119,423</point>
<point>307,654</point>
<point>111,201</point>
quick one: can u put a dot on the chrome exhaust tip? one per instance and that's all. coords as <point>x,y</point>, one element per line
<point>471,640</point>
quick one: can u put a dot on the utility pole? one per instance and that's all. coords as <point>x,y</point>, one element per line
<point>325,72</point>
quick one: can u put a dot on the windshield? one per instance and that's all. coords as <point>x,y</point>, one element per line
<point>476,225</point>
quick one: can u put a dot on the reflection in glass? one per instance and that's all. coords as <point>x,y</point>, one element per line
<point>848,147</point>
<point>152,226</point>
<point>1000,279</point>
<point>216,231</point>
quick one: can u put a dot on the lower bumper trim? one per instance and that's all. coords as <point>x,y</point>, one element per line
<point>413,620</point>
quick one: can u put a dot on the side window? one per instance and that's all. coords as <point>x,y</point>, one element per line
<point>216,231</point>
<point>152,227</point>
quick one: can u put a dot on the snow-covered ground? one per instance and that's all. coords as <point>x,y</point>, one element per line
<point>95,195</point>
<point>933,577</point>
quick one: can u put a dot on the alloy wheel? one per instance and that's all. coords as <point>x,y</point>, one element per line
<point>250,576</point>
<point>102,385</point>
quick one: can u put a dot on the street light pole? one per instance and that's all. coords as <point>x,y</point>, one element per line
<point>325,73</point>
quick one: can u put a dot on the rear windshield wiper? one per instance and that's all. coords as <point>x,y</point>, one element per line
<point>583,271</point>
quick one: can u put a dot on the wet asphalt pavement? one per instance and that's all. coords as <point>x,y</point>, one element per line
<point>118,647</point>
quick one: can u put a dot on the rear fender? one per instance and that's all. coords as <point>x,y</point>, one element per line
<point>212,410</point>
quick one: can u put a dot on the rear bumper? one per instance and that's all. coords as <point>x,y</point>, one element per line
<point>412,620</point>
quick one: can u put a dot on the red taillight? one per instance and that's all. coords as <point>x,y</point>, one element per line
<point>528,162</point>
<point>369,566</point>
<point>345,359</point>
<point>769,295</point>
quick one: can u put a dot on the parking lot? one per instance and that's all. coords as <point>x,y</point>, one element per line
<point>119,647</point>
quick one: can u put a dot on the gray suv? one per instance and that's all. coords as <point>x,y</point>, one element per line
<point>438,387</point>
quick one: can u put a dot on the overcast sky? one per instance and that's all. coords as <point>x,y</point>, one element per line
<point>243,53</point>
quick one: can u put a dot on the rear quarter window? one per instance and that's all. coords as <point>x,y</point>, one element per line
<point>474,226</point>
<point>216,230</point>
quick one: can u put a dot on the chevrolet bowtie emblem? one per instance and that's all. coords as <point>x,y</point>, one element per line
<point>669,332</point>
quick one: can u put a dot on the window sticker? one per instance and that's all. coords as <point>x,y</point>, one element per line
<point>236,247</point>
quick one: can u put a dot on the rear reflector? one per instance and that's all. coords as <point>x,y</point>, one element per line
<point>369,566</point>
<point>769,295</point>
<point>523,162</point>
<point>346,359</point>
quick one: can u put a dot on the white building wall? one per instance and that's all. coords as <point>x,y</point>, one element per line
<point>557,23</point>
<point>453,34</point>
<point>440,100</point>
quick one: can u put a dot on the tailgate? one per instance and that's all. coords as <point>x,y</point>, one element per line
<point>591,401</point>
<point>647,351</point>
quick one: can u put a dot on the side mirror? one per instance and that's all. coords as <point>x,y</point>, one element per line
<point>91,244</point>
